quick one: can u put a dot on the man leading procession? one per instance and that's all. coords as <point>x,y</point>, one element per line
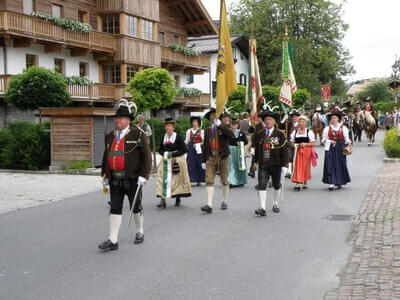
<point>126,168</point>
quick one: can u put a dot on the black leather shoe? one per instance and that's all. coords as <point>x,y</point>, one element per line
<point>206,209</point>
<point>224,205</point>
<point>276,209</point>
<point>296,188</point>
<point>330,189</point>
<point>288,176</point>
<point>261,212</point>
<point>305,187</point>
<point>108,245</point>
<point>251,174</point>
<point>338,187</point>
<point>162,204</point>
<point>139,238</point>
<point>177,201</point>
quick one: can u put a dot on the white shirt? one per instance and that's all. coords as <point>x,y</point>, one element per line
<point>325,135</point>
<point>123,132</point>
<point>169,139</point>
<point>271,130</point>
<point>310,135</point>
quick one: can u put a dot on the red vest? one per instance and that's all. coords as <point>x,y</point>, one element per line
<point>214,141</point>
<point>197,138</point>
<point>336,135</point>
<point>116,160</point>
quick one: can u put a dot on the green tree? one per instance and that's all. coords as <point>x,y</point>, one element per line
<point>37,87</point>
<point>152,88</point>
<point>300,97</point>
<point>237,100</point>
<point>316,30</point>
<point>377,90</point>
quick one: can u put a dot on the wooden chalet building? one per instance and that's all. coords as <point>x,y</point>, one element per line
<point>127,36</point>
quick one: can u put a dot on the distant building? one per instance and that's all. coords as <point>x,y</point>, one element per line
<point>208,45</point>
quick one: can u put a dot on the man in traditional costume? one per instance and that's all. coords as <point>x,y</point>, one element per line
<point>126,167</point>
<point>194,141</point>
<point>216,157</point>
<point>271,155</point>
<point>172,174</point>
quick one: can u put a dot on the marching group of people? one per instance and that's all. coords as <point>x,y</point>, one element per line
<point>276,148</point>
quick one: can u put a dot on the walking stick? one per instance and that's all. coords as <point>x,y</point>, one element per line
<point>138,189</point>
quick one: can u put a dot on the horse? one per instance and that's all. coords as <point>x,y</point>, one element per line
<point>370,126</point>
<point>317,126</point>
<point>357,126</point>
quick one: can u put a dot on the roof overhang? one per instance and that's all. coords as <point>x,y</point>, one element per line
<point>197,20</point>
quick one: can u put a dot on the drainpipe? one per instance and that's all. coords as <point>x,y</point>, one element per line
<point>5,73</point>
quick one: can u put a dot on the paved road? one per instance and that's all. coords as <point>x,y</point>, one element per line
<point>50,252</point>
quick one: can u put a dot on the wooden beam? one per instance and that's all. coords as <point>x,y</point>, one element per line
<point>194,24</point>
<point>100,57</point>
<point>52,48</point>
<point>22,43</point>
<point>78,52</point>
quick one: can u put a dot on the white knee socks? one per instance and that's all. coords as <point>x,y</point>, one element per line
<point>225,192</point>
<point>262,195</point>
<point>115,224</point>
<point>139,221</point>
<point>210,194</point>
<point>277,196</point>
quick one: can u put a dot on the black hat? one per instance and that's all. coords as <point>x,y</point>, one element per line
<point>295,112</point>
<point>368,99</point>
<point>124,109</point>
<point>197,118</point>
<point>234,120</point>
<point>225,114</point>
<point>169,120</point>
<point>335,113</point>
<point>207,115</point>
<point>267,113</point>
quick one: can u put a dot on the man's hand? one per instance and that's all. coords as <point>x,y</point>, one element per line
<point>254,167</point>
<point>203,166</point>
<point>141,181</point>
<point>217,122</point>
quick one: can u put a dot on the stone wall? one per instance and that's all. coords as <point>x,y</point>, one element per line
<point>11,114</point>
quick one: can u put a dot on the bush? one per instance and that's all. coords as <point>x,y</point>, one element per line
<point>385,106</point>
<point>152,88</point>
<point>391,144</point>
<point>300,98</point>
<point>78,165</point>
<point>37,87</point>
<point>25,146</point>
<point>189,92</point>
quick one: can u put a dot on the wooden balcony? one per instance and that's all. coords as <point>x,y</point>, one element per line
<point>27,26</point>
<point>99,92</point>
<point>148,9</point>
<point>198,101</point>
<point>201,62</point>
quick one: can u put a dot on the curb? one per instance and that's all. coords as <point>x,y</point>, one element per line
<point>391,160</point>
<point>90,172</point>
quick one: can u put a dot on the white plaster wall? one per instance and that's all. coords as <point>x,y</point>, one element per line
<point>203,82</point>
<point>16,61</point>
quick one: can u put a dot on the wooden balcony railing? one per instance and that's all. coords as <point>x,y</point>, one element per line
<point>201,61</point>
<point>194,101</point>
<point>99,92</point>
<point>202,100</point>
<point>32,27</point>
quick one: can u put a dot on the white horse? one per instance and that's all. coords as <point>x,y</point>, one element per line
<point>370,126</point>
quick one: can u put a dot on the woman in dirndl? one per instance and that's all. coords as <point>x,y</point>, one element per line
<point>303,141</point>
<point>337,143</point>
<point>237,162</point>
<point>194,141</point>
<point>172,174</point>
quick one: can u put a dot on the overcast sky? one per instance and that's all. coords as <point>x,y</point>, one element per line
<point>372,38</point>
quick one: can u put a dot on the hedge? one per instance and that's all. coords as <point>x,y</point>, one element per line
<point>25,146</point>
<point>391,144</point>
